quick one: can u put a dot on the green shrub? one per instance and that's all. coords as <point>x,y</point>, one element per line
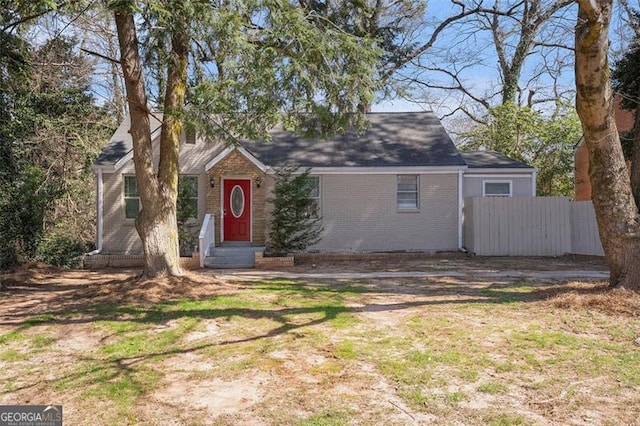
<point>295,221</point>
<point>62,251</point>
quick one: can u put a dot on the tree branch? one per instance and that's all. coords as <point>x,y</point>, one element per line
<point>434,36</point>
<point>28,18</point>
<point>100,55</point>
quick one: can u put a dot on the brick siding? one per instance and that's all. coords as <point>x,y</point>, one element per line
<point>237,166</point>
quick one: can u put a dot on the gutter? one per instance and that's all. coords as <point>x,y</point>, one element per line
<point>460,209</point>
<point>100,213</point>
<point>533,183</point>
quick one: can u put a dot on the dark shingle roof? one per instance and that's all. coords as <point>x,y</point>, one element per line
<point>120,143</point>
<point>392,139</point>
<point>491,160</point>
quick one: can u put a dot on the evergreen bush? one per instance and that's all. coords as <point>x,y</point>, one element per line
<point>295,222</point>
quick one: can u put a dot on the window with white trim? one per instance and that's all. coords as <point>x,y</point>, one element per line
<point>131,197</point>
<point>496,188</point>
<point>188,195</point>
<point>407,192</point>
<point>313,209</point>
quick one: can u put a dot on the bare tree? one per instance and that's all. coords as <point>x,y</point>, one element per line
<point>511,52</point>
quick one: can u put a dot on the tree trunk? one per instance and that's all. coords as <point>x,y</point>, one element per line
<point>156,222</point>
<point>635,156</point>
<point>612,197</point>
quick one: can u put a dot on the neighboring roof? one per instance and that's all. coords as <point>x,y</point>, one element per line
<point>391,140</point>
<point>491,160</point>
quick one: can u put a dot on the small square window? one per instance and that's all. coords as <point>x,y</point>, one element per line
<point>496,189</point>
<point>407,192</point>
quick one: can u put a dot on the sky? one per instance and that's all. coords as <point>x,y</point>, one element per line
<point>484,76</point>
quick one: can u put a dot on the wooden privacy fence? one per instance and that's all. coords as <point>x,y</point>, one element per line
<point>531,226</point>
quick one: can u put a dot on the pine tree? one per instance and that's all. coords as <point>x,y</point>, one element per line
<point>295,224</point>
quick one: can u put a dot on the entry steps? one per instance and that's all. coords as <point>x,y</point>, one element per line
<point>232,256</point>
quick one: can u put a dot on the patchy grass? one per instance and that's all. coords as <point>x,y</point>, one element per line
<point>296,352</point>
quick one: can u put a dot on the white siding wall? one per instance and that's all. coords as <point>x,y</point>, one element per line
<point>359,213</point>
<point>120,235</point>
<point>520,186</point>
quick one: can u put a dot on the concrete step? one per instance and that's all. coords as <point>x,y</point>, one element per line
<point>232,257</point>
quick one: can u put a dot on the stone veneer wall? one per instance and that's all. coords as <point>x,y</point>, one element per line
<point>237,166</point>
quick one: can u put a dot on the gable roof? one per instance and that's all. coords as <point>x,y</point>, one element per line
<point>392,140</point>
<point>120,143</point>
<point>407,139</point>
<point>491,160</point>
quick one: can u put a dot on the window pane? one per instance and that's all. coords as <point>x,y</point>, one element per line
<point>131,207</point>
<point>237,201</point>
<point>408,200</point>
<point>130,186</point>
<point>189,185</point>
<point>497,188</point>
<point>408,183</point>
<point>193,208</point>
<point>188,197</point>
<point>313,209</point>
<point>314,184</point>
<point>407,192</point>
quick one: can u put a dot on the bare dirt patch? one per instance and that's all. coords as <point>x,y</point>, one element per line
<point>201,350</point>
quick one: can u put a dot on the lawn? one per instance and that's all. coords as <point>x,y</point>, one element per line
<point>113,349</point>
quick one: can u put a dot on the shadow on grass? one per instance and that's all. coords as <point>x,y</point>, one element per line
<point>322,302</point>
<point>78,307</point>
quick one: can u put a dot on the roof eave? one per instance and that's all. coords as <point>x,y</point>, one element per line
<point>501,170</point>
<point>388,170</point>
<point>225,152</point>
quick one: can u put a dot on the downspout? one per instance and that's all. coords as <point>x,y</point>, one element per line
<point>460,209</point>
<point>533,183</point>
<point>100,213</point>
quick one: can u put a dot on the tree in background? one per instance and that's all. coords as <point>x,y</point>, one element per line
<point>51,133</point>
<point>528,136</point>
<point>518,46</point>
<point>616,211</point>
<point>249,65</point>
<point>625,82</point>
<point>295,222</point>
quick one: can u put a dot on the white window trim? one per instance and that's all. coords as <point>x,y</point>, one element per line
<point>319,197</point>
<point>196,219</point>
<point>484,188</point>
<point>409,209</point>
<point>124,198</point>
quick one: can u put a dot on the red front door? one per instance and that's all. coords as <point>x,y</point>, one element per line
<point>237,210</point>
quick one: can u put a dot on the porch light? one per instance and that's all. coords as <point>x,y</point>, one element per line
<point>258,181</point>
<point>212,182</point>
